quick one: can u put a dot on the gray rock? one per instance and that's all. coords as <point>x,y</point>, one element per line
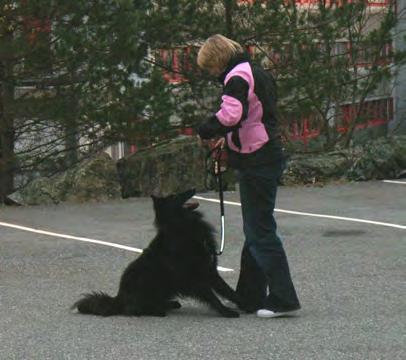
<point>167,168</point>
<point>311,169</point>
<point>179,164</point>
<point>94,179</point>
<point>378,159</point>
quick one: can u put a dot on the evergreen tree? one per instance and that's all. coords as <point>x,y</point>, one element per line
<point>73,79</point>
<point>76,76</point>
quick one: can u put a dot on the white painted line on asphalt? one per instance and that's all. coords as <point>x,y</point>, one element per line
<point>394,182</point>
<point>313,214</point>
<point>65,236</point>
<point>78,238</point>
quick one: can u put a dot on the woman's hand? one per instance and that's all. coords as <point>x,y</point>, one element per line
<point>212,143</point>
<point>220,143</point>
<point>200,141</point>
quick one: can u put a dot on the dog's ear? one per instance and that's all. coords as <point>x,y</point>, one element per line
<point>185,196</point>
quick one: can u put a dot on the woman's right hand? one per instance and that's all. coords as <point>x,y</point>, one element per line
<point>200,141</point>
<point>220,143</point>
<point>212,143</point>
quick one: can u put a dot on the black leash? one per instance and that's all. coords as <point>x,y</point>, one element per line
<point>217,170</point>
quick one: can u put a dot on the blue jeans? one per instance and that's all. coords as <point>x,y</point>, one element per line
<point>264,264</point>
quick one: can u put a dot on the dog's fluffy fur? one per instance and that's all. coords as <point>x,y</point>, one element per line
<point>179,262</point>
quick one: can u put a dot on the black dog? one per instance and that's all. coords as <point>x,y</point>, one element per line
<point>179,262</point>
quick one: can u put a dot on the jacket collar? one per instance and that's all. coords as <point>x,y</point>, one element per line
<point>234,61</point>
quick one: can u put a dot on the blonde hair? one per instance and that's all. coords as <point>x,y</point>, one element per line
<point>217,51</point>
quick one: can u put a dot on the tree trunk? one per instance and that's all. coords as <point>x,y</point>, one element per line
<point>71,133</point>
<point>7,158</point>
<point>228,5</point>
<point>71,143</point>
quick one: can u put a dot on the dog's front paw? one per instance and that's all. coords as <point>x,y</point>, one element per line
<point>228,313</point>
<point>172,305</point>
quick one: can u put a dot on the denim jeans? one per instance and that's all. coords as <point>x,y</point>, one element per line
<point>264,280</point>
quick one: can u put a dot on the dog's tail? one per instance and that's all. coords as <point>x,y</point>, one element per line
<point>98,303</point>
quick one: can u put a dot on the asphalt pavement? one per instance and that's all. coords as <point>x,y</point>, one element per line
<point>349,275</point>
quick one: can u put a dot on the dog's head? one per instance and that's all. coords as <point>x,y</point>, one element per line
<point>172,206</point>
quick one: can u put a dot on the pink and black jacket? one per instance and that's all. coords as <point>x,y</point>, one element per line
<point>247,115</point>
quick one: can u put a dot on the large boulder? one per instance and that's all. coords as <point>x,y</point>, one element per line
<point>380,159</point>
<point>311,169</point>
<point>94,179</point>
<point>167,168</point>
<point>377,159</point>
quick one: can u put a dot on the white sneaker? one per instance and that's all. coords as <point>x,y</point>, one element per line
<point>265,313</point>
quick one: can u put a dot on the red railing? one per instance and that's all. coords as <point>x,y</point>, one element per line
<point>365,56</point>
<point>302,131</point>
<point>34,26</point>
<point>176,62</point>
<point>340,2</point>
<point>372,3</point>
<point>373,113</point>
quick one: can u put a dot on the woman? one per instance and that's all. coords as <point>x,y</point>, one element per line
<point>248,124</point>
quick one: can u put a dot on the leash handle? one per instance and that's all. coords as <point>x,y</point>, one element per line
<point>218,174</point>
<point>221,195</point>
